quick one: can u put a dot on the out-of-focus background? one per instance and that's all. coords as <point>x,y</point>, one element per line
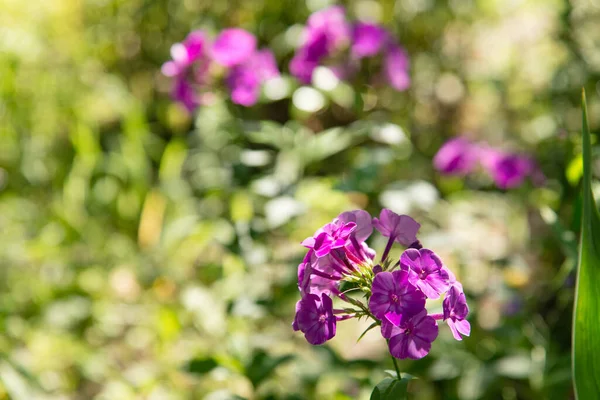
<point>149,254</point>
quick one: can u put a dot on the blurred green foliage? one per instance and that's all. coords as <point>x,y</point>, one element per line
<point>147,254</point>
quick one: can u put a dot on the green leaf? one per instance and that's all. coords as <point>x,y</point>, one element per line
<point>391,389</point>
<point>201,365</point>
<point>586,320</point>
<point>373,325</point>
<point>262,365</point>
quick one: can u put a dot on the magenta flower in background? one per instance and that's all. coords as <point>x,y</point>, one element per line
<point>326,32</point>
<point>367,39</point>
<point>456,157</point>
<point>332,23</point>
<point>507,170</point>
<point>244,80</point>
<point>395,67</point>
<point>185,93</point>
<point>308,57</point>
<point>188,67</point>
<point>424,269</point>
<point>399,228</point>
<point>411,337</point>
<point>315,318</point>
<point>455,313</point>
<point>393,296</point>
<point>244,85</point>
<point>233,46</point>
<point>184,54</point>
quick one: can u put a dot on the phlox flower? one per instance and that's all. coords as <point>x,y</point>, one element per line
<point>425,271</point>
<point>411,337</point>
<point>393,296</point>
<point>315,318</point>
<point>233,46</point>
<point>455,312</point>
<point>456,157</point>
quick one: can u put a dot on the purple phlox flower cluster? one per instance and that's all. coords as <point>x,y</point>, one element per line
<point>330,39</point>
<point>395,292</point>
<point>198,64</point>
<point>461,157</point>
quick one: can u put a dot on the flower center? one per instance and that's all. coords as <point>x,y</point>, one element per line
<point>394,298</point>
<point>423,275</point>
<point>322,318</point>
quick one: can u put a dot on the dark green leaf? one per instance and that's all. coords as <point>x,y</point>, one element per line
<point>586,321</point>
<point>201,365</point>
<point>262,365</point>
<point>391,389</point>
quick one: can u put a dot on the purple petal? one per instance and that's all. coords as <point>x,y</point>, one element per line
<point>507,170</point>
<point>170,68</point>
<point>410,260</point>
<point>438,284</point>
<point>464,327</point>
<point>309,242</point>
<point>455,332</point>
<point>456,157</point>
<point>332,22</point>
<point>398,346</point>
<point>265,64</point>
<point>184,93</point>
<point>431,262</point>
<point>393,318</point>
<point>307,58</point>
<point>384,282</point>
<point>395,68</point>
<point>362,219</point>
<point>417,348</point>
<point>233,46</point>
<point>401,227</point>
<point>426,327</point>
<point>367,39</point>
<point>388,329</point>
<point>244,84</point>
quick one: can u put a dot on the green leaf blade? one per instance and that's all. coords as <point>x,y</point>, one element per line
<point>392,388</point>
<point>586,320</point>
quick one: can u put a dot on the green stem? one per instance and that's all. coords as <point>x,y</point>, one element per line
<point>395,363</point>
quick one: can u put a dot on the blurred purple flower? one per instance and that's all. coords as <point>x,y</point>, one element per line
<point>307,58</point>
<point>411,337</point>
<point>507,170</point>
<point>395,67</point>
<point>244,85</point>
<point>233,46</point>
<point>457,156</point>
<point>399,228</point>
<point>326,32</point>
<point>455,313</point>
<point>185,93</point>
<point>332,22</point>
<point>367,39</point>
<point>189,66</point>
<point>315,318</point>
<point>184,54</point>
<point>425,271</point>
<point>244,80</point>
<point>394,297</point>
